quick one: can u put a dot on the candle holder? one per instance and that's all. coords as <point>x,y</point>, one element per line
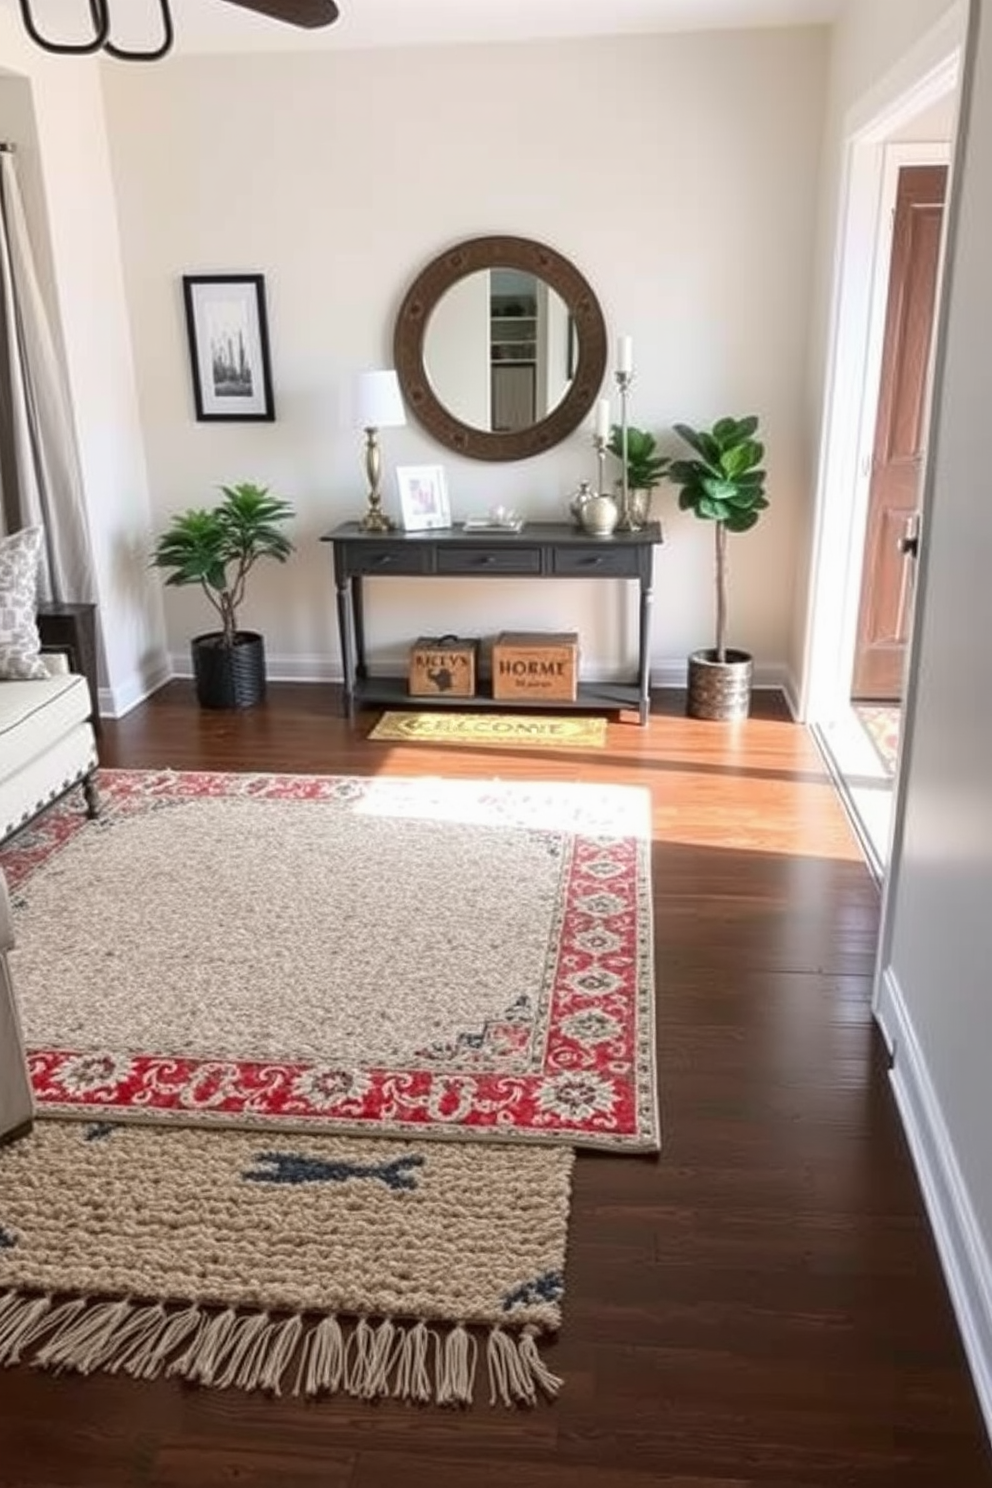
<point>599,445</point>
<point>623,381</point>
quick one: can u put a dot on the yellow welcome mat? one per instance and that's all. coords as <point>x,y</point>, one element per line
<point>491,728</point>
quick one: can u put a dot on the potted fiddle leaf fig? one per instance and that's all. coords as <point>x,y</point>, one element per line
<point>724,484</point>
<point>645,469</point>
<point>217,548</point>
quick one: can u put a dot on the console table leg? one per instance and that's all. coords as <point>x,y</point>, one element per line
<point>644,640</point>
<point>346,632</point>
<point>358,615</point>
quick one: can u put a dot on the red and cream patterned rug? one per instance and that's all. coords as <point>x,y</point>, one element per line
<point>401,957</point>
<point>882,723</point>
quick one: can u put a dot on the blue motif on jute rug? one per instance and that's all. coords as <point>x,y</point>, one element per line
<point>292,1264</point>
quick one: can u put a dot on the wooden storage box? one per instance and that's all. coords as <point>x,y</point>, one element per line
<point>535,665</point>
<point>443,666</point>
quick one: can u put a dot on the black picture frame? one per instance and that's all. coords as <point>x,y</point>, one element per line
<point>228,332</point>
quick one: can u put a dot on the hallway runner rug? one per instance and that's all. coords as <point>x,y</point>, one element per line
<point>456,958</point>
<point>882,723</point>
<point>491,729</point>
<point>304,1265</point>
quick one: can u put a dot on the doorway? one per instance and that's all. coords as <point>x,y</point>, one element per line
<point>892,528</point>
<point>875,443</point>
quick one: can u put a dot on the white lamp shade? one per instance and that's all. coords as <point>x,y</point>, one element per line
<point>378,404</point>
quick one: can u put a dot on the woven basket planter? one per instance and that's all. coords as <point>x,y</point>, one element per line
<point>229,676</point>
<point>719,690</point>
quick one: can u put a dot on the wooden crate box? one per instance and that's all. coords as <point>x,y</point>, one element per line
<point>443,666</point>
<point>535,665</point>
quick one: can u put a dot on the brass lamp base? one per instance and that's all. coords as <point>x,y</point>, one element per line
<point>375,519</point>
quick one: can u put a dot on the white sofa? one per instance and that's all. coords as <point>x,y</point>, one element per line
<point>47,744</point>
<point>16,1105</point>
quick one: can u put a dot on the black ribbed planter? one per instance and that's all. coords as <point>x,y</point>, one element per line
<point>719,690</point>
<point>229,676</point>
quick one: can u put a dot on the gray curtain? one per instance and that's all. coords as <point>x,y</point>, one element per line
<point>40,477</point>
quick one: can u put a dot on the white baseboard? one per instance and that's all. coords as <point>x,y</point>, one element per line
<point>277,668</point>
<point>767,676</point>
<point>673,673</point>
<point>116,701</point>
<point>790,690</point>
<point>964,1255</point>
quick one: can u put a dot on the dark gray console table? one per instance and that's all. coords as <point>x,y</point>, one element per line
<point>542,550</point>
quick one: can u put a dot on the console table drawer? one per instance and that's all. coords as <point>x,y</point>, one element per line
<point>387,558</point>
<point>614,563</point>
<point>509,560</point>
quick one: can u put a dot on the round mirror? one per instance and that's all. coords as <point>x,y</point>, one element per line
<point>500,348</point>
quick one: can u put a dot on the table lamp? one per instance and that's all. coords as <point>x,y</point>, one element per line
<point>378,405</point>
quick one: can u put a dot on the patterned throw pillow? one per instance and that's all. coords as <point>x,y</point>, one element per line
<point>20,645</point>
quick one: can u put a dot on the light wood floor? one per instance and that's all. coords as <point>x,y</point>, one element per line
<point>760,1305</point>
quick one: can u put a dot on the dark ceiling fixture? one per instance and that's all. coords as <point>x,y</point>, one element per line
<point>307,13</point>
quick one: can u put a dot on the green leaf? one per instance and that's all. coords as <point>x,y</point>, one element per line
<point>739,521</point>
<point>740,457</point>
<point>645,467</point>
<point>731,431</point>
<point>725,432</point>
<point>703,443</point>
<point>718,490</point>
<point>199,546</point>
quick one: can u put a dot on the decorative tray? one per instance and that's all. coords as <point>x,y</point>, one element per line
<point>487,524</point>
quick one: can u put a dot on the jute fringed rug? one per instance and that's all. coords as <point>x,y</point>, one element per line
<point>382,956</point>
<point>307,1266</point>
<point>491,728</point>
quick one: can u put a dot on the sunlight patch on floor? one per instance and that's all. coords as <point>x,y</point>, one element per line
<point>866,780</point>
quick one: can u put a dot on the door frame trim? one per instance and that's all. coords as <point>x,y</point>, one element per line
<point>928,74</point>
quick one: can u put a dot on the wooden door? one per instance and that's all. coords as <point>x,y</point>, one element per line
<point>889,570</point>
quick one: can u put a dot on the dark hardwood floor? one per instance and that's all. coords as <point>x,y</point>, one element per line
<point>760,1305</point>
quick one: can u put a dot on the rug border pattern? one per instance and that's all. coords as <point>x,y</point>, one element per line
<point>413,1102</point>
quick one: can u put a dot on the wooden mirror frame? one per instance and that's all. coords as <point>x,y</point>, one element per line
<point>498,252</point>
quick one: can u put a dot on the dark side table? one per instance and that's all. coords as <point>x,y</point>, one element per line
<point>72,628</point>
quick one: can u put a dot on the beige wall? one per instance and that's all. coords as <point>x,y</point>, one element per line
<point>679,174</point>
<point>937,997</point>
<point>871,37</point>
<point>71,196</point>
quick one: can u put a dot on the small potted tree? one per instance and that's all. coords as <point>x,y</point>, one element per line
<point>724,485</point>
<point>217,549</point>
<point>645,469</point>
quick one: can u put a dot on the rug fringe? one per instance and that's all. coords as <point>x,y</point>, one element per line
<point>516,1369</point>
<point>456,1369</point>
<point>413,1377</point>
<point>322,1360</point>
<point>254,1351</point>
<point>148,1362</point>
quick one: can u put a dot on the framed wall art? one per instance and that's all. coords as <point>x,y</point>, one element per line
<point>228,346</point>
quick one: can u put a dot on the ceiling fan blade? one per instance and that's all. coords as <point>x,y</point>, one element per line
<point>309,13</point>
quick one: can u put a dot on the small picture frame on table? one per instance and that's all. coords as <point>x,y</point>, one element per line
<point>228,347</point>
<point>423,497</point>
